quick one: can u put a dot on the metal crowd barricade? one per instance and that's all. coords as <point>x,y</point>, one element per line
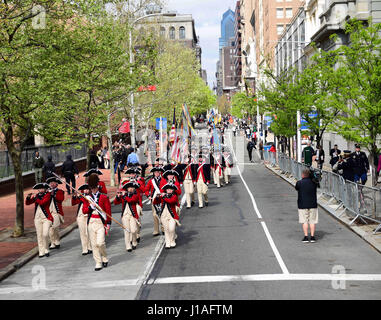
<point>361,201</point>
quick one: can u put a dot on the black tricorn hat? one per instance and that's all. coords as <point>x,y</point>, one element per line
<point>170,186</point>
<point>132,170</point>
<point>41,186</point>
<point>131,184</point>
<point>91,171</point>
<point>157,169</point>
<point>170,172</point>
<point>53,179</point>
<point>84,187</point>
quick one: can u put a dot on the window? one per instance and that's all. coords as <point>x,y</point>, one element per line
<point>162,31</point>
<point>182,33</point>
<point>172,33</point>
<point>279,29</point>
<point>288,12</point>
<point>279,13</point>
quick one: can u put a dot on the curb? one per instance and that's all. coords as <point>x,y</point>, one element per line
<point>25,258</point>
<point>355,229</point>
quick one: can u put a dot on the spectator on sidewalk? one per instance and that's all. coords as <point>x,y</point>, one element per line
<point>273,155</point>
<point>308,153</point>
<point>49,168</point>
<point>345,166</point>
<point>133,159</point>
<point>378,166</point>
<point>93,160</point>
<point>334,153</point>
<point>361,165</point>
<point>307,205</point>
<point>261,149</point>
<point>250,147</point>
<point>38,165</point>
<point>320,157</point>
<point>70,172</point>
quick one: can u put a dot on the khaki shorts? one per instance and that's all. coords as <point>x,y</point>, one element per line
<point>309,216</point>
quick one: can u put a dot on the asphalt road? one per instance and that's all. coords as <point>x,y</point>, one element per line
<point>224,251</point>
<point>245,245</point>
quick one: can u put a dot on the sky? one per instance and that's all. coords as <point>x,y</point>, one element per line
<point>207,15</point>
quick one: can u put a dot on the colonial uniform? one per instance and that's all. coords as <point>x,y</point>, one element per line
<point>97,224</point>
<point>190,174</point>
<point>82,221</point>
<point>55,208</point>
<point>43,218</point>
<point>218,169</point>
<point>169,217</point>
<point>227,164</point>
<point>130,215</point>
<point>153,190</point>
<point>202,181</point>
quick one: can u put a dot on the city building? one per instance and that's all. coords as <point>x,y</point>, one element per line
<point>179,27</point>
<point>227,28</point>
<point>225,67</point>
<point>237,45</point>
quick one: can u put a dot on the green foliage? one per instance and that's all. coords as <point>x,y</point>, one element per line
<point>243,105</point>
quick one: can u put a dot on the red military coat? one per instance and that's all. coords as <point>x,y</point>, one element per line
<point>58,196</point>
<point>131,200</point>
<point>43,201</point>
<point>170,201</point>
<point>103,201</point>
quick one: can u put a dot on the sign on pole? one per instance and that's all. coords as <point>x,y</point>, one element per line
<point>164,120</point>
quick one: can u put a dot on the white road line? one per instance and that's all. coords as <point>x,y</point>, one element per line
<point>268,235</point>
<point>201,279</point>
<point>159,248</point>
<point>269,277</point>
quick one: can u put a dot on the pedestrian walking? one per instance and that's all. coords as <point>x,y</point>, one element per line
<point>43,218</point>
<point>250,147</point>
<point>82,218</point>
<point>361,165</point>
<point>57,196</point>
<point>320,157</point>
<point>70,172</point>
<point>38,165</point>
<point>93,160</point>
<point>98,223</point>
<point>307,154</point>
<point>307,205</point>
<point>334,153</point>
<point>49,168</point>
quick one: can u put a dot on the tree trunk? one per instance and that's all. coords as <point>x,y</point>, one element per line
<point>372,157</point>
<point>89,150</point>
<point>18,229</point>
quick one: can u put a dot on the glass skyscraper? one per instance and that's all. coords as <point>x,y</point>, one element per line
<point>227,28</point>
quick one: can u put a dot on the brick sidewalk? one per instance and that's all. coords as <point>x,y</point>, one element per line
<point>13,248</point>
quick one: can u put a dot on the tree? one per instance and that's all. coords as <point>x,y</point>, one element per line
<point>30,63</point>
<point>360,64</point>
<point>243,105</point>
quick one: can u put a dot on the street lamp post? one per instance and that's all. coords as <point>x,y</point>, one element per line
<point>132,129</point>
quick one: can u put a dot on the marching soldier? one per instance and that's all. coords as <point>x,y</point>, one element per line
<point>169,217</point>
<point>152,191</point>
<point>102,185</point>
<point>82,219</point>
<point>172,177</point>
<point>202,180</point>
<point>55,207</point>
<point>218,169</point>
<point>227,164</point>
<point>189,174</point>
<point>43,218</point>
<point>98,222</point>
<point>130,216</point>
